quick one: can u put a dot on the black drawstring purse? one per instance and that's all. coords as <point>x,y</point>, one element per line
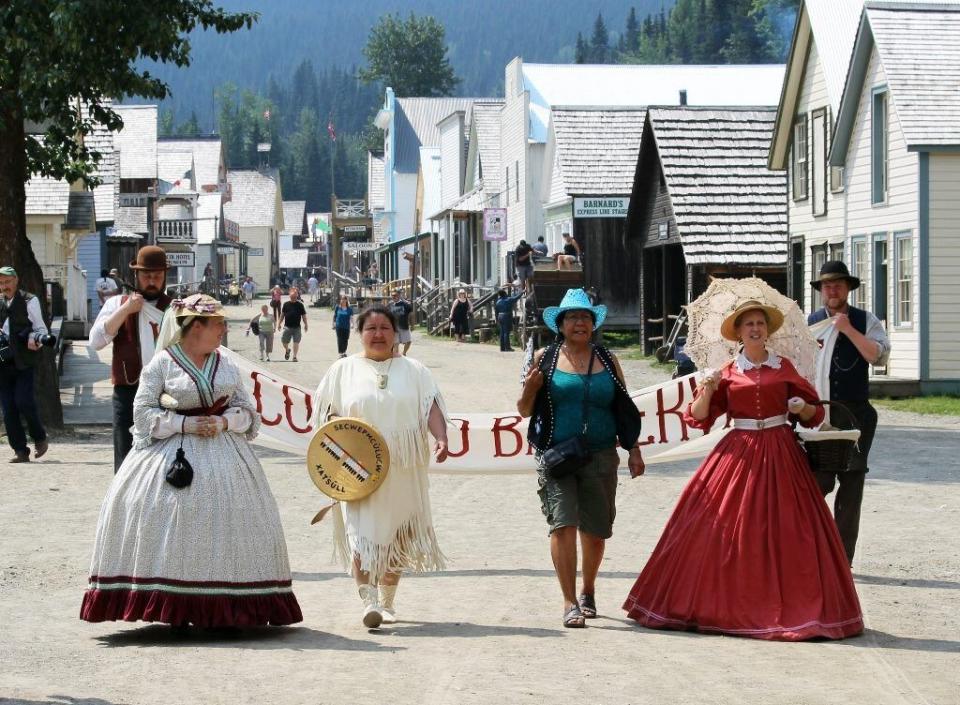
<point>180,472</point>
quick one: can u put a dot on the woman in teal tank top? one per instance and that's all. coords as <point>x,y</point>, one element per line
<point>582,503</point>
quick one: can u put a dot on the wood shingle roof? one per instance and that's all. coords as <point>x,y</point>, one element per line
<point>729,208</point>
<point>254,198</point>
<point>597,148</point>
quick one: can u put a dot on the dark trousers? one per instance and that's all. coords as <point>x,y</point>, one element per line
<point>849,484</point>
<point>506,322</point>
<point>123,395</point>
<point>343,335</point>
<point>19,405</point>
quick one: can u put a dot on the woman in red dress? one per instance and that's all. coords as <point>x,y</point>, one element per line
<point>751,549</point>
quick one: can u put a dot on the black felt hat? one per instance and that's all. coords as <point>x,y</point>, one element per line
<point>834,270</point>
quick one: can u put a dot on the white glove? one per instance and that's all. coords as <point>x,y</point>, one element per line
<point>795,405</point>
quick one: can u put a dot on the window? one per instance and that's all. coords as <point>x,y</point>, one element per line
<point>798,284</point>
<point>819,158</point>
<point>800,159</point>
<point>904,267</point>
<point>818,255</point>
<point>836,172</point>
<point>880,276</point>
<point>878,147</point>
<point>859,267</point>
<point>663,230</point>
<point>836,252</point>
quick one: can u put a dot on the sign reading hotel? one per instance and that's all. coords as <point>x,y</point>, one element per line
<point>601,207</point>
<point>495,224</point>
<point>182,259</point>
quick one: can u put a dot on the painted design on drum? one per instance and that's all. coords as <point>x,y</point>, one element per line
<point>347,459</point>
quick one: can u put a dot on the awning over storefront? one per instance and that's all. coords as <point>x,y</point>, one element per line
<point>471,202</point>
<point>397,244</point>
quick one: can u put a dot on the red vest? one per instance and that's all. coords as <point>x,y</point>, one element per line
<point>127,361</point>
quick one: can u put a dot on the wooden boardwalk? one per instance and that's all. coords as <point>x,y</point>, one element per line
<point>86,392</point>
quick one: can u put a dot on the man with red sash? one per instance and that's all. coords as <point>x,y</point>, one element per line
<point>132,323</point>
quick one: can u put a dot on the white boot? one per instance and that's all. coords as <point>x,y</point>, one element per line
<point>388,593</point>
<point>372,617</point>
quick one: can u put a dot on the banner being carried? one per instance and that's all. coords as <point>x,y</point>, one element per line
<point>485,443</point>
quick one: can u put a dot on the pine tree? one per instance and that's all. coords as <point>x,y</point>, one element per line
<point>599,42</point>
<point>631,36</point>
<point>581,53</point>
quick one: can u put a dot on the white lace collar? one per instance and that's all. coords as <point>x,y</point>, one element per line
<point>744,365</point>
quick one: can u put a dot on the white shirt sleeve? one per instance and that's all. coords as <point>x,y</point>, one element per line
<point>99,338</point>
<point>877,334</point>
<point>238,419</point>
<point>36,316</point>
<point>167,424</point>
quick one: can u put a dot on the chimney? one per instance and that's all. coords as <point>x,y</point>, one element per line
<point>263,153</point>
<point>683,97</point>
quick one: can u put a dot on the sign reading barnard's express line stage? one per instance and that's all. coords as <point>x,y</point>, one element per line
<point>601,207</point>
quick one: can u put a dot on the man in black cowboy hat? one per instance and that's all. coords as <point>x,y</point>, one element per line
<point>132,323</point>
<point>860,341</point>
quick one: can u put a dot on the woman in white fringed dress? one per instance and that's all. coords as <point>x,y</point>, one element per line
<point>210,554</point>
<point>390,530</point>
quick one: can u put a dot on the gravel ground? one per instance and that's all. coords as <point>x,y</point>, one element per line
<point>488,629</point>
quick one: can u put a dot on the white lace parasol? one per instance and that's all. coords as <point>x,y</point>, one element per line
<point>708,349</point>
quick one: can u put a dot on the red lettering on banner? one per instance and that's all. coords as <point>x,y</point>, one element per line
<point>651,439</point>
<point>288,404</point>
<point>662,414</point>
<point>499,427</point>
<point>258,397</point>
<point>464,427</point>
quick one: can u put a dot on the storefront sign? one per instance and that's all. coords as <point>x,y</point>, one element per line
<point>360,246</point>
<point>182,259</point>
<point>255,252</point>
<point>355,229</point>
<point>495,224</point>
<point>601,207</point>
<point>221,250</point>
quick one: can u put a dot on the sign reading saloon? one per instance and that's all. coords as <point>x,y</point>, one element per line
<point>601,207</point>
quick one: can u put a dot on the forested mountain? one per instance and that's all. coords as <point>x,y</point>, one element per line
<point>482,37</point>
<point>291,80</point>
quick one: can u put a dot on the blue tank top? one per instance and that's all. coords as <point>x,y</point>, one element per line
<point>566,391</point>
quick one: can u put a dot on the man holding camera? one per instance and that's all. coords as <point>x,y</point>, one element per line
<point>132,323</point>
<point>23,332</point>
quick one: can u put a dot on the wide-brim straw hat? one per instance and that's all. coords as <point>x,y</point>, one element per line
<point>574,300</point>
<point>832,271</point>
<point>150,259</point>
<point>198,305</point>
<point>728,329</point>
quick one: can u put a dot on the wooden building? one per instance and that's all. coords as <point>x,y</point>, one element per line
<point>704,205</point>
<point>591,157</point>
<point>897,139</point>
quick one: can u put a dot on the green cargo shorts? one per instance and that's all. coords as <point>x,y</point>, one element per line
<point>586,499</point>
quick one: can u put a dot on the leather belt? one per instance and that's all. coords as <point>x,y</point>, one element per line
<point>760,424</point>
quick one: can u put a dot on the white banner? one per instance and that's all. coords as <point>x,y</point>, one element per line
<point>483,443</point>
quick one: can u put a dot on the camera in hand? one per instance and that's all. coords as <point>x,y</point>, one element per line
<point>45,339</point>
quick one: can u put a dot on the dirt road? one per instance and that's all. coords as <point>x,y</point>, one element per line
<point>488,629</point>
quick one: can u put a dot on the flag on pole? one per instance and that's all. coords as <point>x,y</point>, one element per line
<point>331,130</point>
